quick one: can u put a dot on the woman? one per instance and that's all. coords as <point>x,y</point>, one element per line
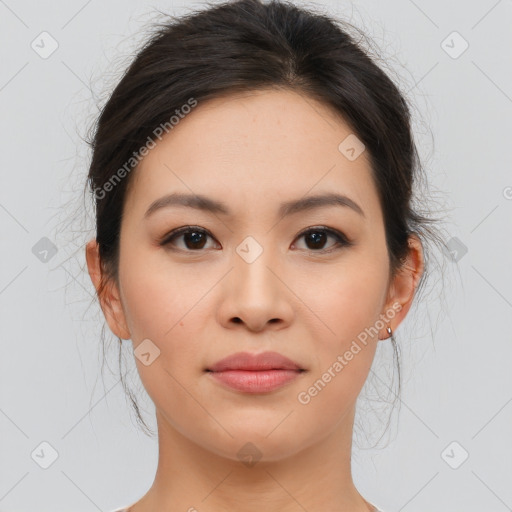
<point>255,239</point>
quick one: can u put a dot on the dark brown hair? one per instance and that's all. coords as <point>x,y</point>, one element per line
<point>246,45</point>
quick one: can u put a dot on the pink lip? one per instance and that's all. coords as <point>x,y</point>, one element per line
<point>255,373</point>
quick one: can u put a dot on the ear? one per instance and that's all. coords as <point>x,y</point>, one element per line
<point>404,284</point>
<point>109,296</point>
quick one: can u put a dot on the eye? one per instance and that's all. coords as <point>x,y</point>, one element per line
<point>194,238</point>
<point>316,238</point>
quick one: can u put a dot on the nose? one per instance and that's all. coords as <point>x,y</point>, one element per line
<point>255,297</point>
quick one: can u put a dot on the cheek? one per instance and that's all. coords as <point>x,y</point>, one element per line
<point>159,307</point>
<point>159,303</point>
<point>356,309</point>
<point>347,300</point>
<point>343,359</point>
<point>155,293</point>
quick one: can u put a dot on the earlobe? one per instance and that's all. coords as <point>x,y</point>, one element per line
<point>107,292</point>
<point>389,334</point>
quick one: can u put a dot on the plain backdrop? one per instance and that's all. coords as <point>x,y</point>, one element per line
<point>449,448</point>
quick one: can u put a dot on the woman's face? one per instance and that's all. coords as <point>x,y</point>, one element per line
<point>247,278</point>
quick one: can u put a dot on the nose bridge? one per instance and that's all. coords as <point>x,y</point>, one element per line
<point>253,260</point>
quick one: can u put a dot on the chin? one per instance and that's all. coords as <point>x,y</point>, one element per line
<point>259,441</point>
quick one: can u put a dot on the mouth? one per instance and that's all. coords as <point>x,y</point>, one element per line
<point>255,373</point>
<point>255,381</point>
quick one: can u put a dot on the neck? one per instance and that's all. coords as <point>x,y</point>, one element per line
<point>316,478</point>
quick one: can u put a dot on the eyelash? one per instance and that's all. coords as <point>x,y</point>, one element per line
<point>341,239</point>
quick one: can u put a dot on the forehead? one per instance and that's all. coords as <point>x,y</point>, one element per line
<point>252,150</point>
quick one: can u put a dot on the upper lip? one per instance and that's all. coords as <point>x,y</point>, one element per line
<point>254,362</point>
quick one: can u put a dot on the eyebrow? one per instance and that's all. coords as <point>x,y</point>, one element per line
<point>208,204</point>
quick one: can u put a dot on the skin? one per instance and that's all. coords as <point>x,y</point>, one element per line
<point>252,151</point>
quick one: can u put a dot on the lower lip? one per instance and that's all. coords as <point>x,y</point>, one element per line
<point>255,381</point>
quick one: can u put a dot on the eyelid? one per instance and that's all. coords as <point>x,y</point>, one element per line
<point>331,231</point>
<point>166,239</point>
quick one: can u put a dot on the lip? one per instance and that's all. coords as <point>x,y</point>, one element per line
<point>255,373</point>
<point>254,362</point>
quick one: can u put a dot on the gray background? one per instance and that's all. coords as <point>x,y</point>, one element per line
<point>456,344</point>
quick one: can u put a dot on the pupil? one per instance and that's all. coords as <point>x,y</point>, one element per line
<point>317,239</point>
<point>195,237</point>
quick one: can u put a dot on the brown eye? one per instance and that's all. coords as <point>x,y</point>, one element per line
<point>193,238</point>
<point>316,239</point>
